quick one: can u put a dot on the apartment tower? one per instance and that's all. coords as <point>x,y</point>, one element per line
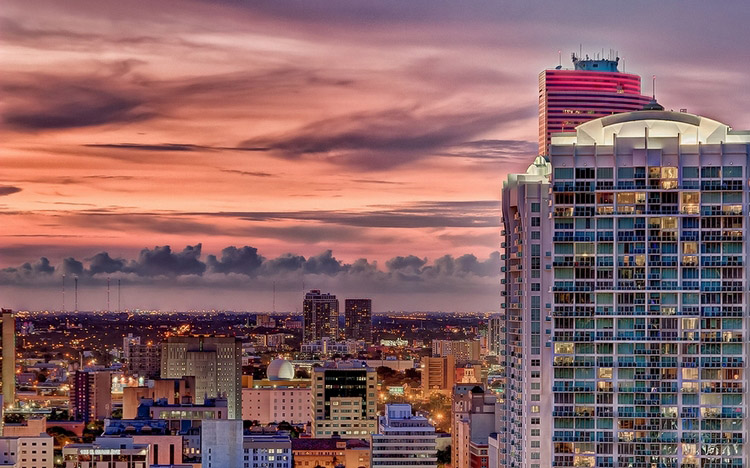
<point>358,319</point>
<point>8,356</point>
<point>593,88</point>
<point>320,313</point>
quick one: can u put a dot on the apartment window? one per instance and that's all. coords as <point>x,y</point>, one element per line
<point>535,235</point>
<point>535,287</point>
<point>535,421</point>
<point>536,221</point>
<point>535,206</point>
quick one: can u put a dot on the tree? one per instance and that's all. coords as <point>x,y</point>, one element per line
<point>444,456</point>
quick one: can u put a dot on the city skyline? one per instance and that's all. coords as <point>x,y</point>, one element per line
<point>290,141</point>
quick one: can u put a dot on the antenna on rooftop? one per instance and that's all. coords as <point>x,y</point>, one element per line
<point>63,293</point>
<point>653,87</point>
<point>108,294</point>
<point>559,58</point>
<point>75,282</point>
<point>118,296</point>
<point>274,297</point>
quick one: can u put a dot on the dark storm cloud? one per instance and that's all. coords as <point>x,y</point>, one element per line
<point>162,266</point>
<point>245,260</point>
<point>8,190</point>
<point>385,139</point>
<point>161,261</point>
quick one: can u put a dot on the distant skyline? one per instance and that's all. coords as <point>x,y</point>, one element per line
<point>203,151</point>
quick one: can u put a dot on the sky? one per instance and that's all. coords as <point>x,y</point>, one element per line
<point>204,154</point>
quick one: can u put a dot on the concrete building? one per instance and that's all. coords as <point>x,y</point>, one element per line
<point>403,440</point>
<point>594,88</point>
<point>215,362</point>
<point>279,398</point>
<point>469,373</point>
<point>222,444</point>
<point>106,452</point>
<point>462,350</point>
<point>27,451</point>
<point>438,375</point>
<point>344,401</point>
<point>320,313</point>
<point>91,395</point>
<point>474,417</point>
<point>8,356</point>
<point>330,453</point>
<point>646,248</point>
<point>358,319</point>
<point>173,391</point>
<point>165,447</point>
<point>183,417</point>
<point>267,451</point>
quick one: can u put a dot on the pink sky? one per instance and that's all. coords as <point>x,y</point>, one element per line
<point>372,129</point>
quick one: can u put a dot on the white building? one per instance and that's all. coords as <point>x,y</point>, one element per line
<point>267,451</point>
<point>403,440</point>
<point>222,443</point>
<point>27,452</point>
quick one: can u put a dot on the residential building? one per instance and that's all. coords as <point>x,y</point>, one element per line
<point>27,451</point>
<point>469,373</point>
<point>495,335</point>
<point>183,417</point>
<point>143,360</point>
<point>474,417</point>
<point>91,395</point>
<point>358,319</point>
<point>462,350</point>
<point>330,453</point>
<point>594,88</point>
<point>8,356</point>
<point>165,446</point>
<point>403,440</point>
<point>107,452</point>
<point>320,313</point>
<point>267,451</point>
<point>344,400</point>
<point>215,362</point>
<point>438,375</point>
<point>222,444</point>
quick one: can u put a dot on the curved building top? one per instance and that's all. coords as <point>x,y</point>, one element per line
<point>691,128</point>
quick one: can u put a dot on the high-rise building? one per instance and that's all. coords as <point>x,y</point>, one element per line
<point>8,356</point>
<point>358,319</point>
<point>593,89</point>
<point>403,440</point>
<point>91,395</point>
<point>643,276</point>
<point>463,350</point>
<point>215,362</point>
<point>495,335</point>
<point>320,313</point>
<point>143,360</point>
<point>438,375</point>
<point>344,400</point>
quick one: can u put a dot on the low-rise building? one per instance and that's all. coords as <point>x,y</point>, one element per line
<point>330,453</point>
<point>27,451</point>
<point>107,452</point>
<point>267,451</point>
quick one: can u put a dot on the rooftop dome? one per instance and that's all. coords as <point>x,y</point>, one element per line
<point>280,369</point>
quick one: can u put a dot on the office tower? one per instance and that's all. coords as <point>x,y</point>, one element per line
<point>91,396</point>
<point>321,316</point>
<point>438,375</point>
<point>344,399</point>
<point>358,319</point>
<point>474,417</point>
<point>593,89</point>
<point>495,335</point>
<point>214,361</point>
<point>648,300</point>
<point>403,440</point>
<point>222,443</point>
<point>527,241</point>
<point>463,350</point>
<point>8,355</point>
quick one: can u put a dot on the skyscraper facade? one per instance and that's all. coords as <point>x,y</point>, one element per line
<point>320,313</point>
<point>215,362</point>
<point>358,319</point>
<point>8,355</point>
<point>343,401</point>
<point>644,315</point>
<point>495,335</point>
<point>593,89</point>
